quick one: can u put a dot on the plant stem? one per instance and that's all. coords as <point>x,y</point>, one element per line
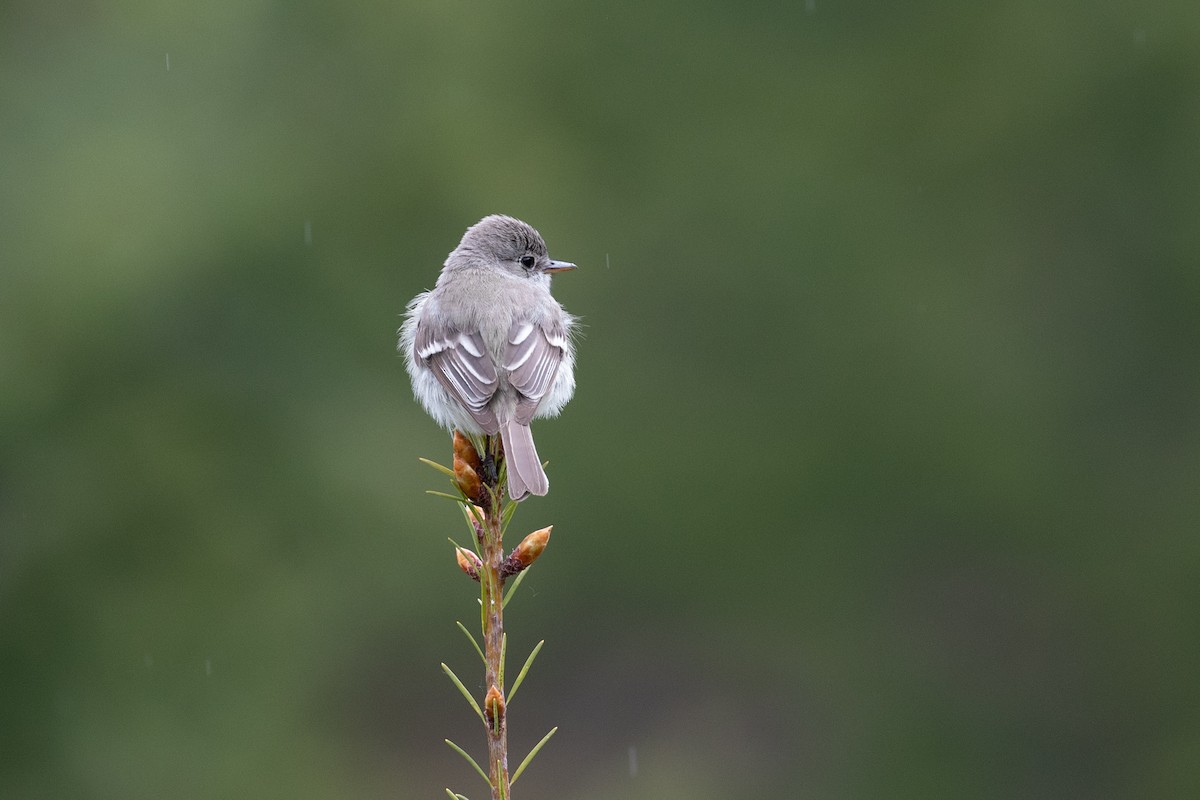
<point>493,635</point>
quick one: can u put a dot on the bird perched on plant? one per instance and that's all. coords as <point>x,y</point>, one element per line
<point>488,348</point>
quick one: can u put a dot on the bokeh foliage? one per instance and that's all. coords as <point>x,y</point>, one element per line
<point>881,476</point>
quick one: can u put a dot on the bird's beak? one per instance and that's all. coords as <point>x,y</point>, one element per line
<point>559,266</point>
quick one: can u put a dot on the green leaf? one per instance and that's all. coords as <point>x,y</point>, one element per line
<point>503,653</point>
<point>456,795</point>
<point>483,594</point>
<point>444,494</point>
<point>471,761</point>
<point>450,674</point>
<point>513,589</point>
<point>437,466</point>
<point>532,753</point>
<point>521,675</point>
<point>474,643</point>
<point>473,517</point>
<point>477,517</point>
<point>507,515</point>
<point>479,442</point>
<point>458,546</point>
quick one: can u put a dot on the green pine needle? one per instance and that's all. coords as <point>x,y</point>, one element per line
<point>483,594</point>
<point>532,753</point>
<point>474,643</point>
<point>513,589</point>
<point>454,678</point>
<point>510,511</point>
<point>471,761</point>
<point>445,495</point>
<point>473,517</point>
<point>503,655</point>
<point>521,675</point>
<point>437,466</point>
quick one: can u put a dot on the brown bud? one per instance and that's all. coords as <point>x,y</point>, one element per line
<point>466,451</point>
<point>493,708</point>
<point>467,479</point>
<point>527,551</point>
<point>468,562</point>
<point>476,520</point>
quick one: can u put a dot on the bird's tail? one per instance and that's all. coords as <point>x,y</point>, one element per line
<point>525,473</point>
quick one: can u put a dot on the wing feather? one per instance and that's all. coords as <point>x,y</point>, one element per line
<point>532,358</point>
<point>461,364</point>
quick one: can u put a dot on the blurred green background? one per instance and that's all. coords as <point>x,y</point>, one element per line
<point>882,475</point>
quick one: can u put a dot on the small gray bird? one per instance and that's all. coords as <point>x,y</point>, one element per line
<point>489,348</point>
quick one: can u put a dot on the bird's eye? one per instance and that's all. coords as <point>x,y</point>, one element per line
<point>528,261</point>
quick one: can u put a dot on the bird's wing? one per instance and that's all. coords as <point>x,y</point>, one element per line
<point>531,357</point>
<point>460,362</point>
